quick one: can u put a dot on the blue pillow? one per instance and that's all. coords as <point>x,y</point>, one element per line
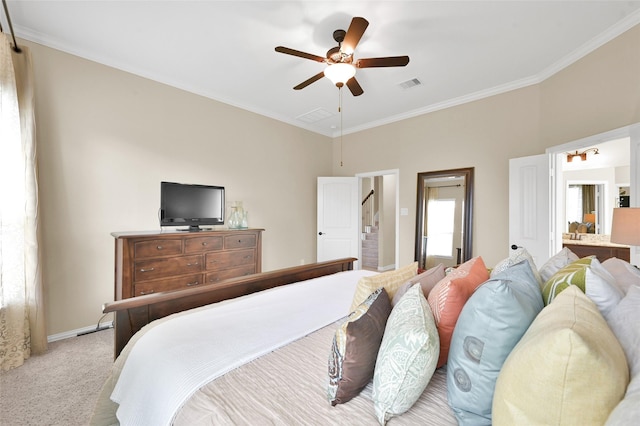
<point>490,325</point>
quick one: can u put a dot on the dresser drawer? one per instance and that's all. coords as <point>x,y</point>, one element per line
<point>202,244</point>
<point>155,248</point>
<point>230,259</point>
<point>157,286</point>
<point>161,268</point>
<point>214,277</point>
<point>238,241</point>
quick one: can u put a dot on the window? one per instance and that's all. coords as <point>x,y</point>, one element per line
<point>574,203</point>
<point>441,215</point>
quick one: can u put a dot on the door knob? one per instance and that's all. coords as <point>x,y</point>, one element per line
<point>320,233</point>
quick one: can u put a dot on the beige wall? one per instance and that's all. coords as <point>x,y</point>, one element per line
<point>600,92</point>
<point>105,141</point>
<point>482,134</point>
<point>107,138</point>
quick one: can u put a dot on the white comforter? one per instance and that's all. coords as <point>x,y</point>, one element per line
<point>173,360</point>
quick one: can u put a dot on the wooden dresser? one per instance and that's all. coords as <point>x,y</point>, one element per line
<point>152,262</point>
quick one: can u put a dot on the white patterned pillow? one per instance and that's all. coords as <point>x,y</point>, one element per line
<point>407,357</point>
<point>515,257</point>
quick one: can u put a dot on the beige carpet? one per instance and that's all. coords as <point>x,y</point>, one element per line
<point>59,387</point>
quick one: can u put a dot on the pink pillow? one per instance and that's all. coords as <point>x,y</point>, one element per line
<point>427,279</point>
<point>449,296</point>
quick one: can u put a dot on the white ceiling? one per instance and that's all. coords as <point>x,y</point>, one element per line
<point>224,50</point>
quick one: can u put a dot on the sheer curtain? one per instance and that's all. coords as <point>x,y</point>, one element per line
<point>22,329</point>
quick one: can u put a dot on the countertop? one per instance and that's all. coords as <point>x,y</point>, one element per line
<point>591,240</point>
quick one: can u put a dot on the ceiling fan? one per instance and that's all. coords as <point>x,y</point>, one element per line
<point>341,65</point>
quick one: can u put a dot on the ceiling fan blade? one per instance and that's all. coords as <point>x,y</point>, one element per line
<point>354,87</point>
<point>354,34</point>
<point>389,61</point>
<point>300,54</point>
<point>309,81</point>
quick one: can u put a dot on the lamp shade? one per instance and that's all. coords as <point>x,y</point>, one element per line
<point>625,228</point>
<point>340,72</point>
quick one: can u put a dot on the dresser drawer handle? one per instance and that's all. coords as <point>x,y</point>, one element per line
<point>160,247</point>
<point>142,293</point>
<point>239,241</point>
<point>193,264</point>
<point>146,270</point>
<point>204,243</point>
<point>248,256</point>
<point>193,283</point>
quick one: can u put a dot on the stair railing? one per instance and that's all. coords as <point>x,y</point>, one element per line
<point>368,211</point>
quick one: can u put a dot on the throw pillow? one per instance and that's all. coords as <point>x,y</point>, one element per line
<point>627,412</point>
<point>449,296</point>
<point>391,281</point>
<point>355,348</point>
<point>427,279</point>
<point>568,368</point>
<point>491,323</point>
<point>572,274</point>
<point>601,288</point>
<point>407,357</point>
<point>624,273</point>
<point>516,256</point>
<point>557,262</point>
<point>624,321</point>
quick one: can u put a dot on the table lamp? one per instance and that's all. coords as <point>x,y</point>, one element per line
<point>625,228</point>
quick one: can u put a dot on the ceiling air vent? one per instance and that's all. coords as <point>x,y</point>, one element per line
<point>315,115</point>
<point>410,83</point>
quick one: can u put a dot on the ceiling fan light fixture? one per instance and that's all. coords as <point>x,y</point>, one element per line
<point>340,73</point>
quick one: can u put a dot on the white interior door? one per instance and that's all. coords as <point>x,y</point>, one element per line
<point>530,213</point>
<point>337,218</point>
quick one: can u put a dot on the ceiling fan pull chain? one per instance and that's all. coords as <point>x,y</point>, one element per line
<point>340,111</point>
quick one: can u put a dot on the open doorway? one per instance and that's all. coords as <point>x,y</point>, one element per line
<point>593,183</point>
<point>379,225</point>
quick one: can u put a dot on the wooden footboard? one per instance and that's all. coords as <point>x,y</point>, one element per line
<point>130,315</point>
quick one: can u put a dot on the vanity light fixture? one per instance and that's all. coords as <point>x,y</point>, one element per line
<point>625,227</point>
<point>581,156</point>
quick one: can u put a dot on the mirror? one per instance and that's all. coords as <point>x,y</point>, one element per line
<point>585,208</point>
<point>444,217</point>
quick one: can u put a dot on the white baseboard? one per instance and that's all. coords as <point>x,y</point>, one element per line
<point>386,268</point>
<point>74,333</point>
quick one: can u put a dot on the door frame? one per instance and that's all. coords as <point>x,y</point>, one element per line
<point>633,133</point>
<point>361,176</point>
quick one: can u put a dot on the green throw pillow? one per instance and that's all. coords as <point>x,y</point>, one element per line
<point>572,274</point>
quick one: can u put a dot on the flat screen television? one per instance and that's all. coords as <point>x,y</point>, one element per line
<point>191,205</point>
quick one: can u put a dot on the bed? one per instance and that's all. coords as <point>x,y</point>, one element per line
<point>296,313</point>
<point>293,369</point>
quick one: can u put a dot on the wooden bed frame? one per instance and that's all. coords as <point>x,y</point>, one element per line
<point>130,315</point>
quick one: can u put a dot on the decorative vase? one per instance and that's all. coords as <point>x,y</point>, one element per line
<point>238,217</point>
